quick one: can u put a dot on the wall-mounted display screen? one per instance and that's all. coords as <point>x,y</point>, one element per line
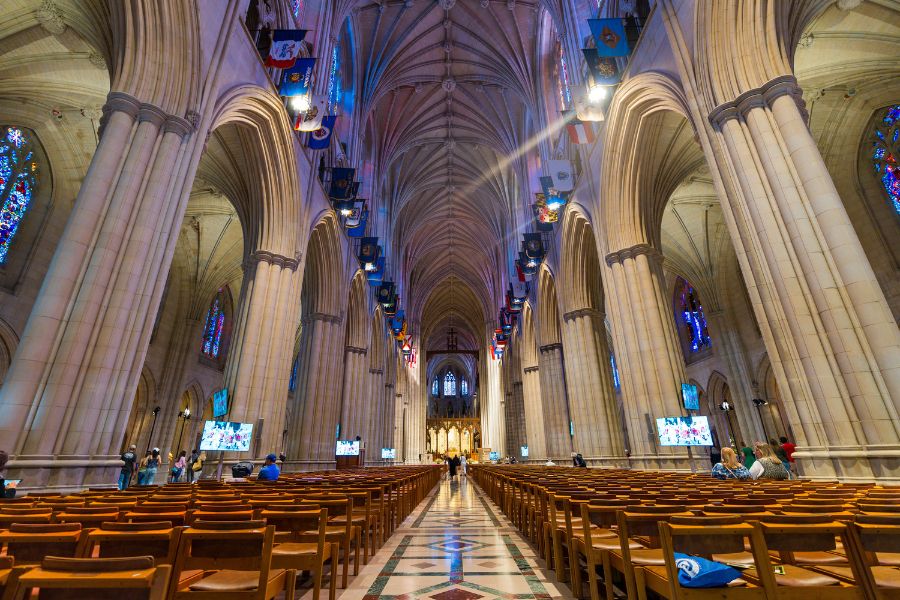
<point>524,451</point>
<point>690,395</point>
<point>495,456</point>
<point>684,431</point>
<point>347,448</point>
<point>388,453</point>
<point>220,403</point>
<point>223,435</point>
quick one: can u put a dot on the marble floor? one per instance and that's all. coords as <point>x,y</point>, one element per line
<point>456,545</point>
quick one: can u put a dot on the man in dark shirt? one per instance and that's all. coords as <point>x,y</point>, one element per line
<point>129,458</point>
<point>270,471</point>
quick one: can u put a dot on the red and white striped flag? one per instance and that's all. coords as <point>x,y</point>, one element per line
<point>580,132</point>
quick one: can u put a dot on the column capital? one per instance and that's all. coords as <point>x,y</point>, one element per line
<point>121,102</point>
<point>273,259</point>
<point>620,256</point>
<point>533,369</point>
<point>376,371</point>
<point>310,318</point>
<point>584,312</point>
<point>550,347</point>
<point>762,96</point>
<point>355,350</point>
<point>390,386</point>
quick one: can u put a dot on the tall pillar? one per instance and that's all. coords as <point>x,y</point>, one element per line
<point>829,332</point>
<point>651,368</point>
<point>534,414</point>
<point>69,388</point>
<point>317,410</point>
<point>356,408</point>
<point>555,404</point>
<point>590,387</point>
<point>258,368</point>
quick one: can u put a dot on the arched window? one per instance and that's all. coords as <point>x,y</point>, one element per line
<point>690,316</point>
<point>463,387</point>
<point>449,384</point>
<point>292,382</point>
<point>435,387</point>
<point>615,371</point>
<point>215,326</point>
<point>17,181</point>
<point>887,136</point>
<point>562,77</point>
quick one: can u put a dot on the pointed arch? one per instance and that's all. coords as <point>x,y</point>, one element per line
<point>321,292</point>
<point>581,285</point>
<point>548,308</point>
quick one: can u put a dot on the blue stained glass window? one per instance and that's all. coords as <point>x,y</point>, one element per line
<point>434,387</point>
<point>615,371</point>
<point>296,7</point>
<point>885,154</point>
<point>565,95</point>
<point>692,319</point>
<point>463,387</point>
<point>292,382</point>
<point>215,325</point>
<point>449,384</point>
<point>17,182</point>
<point>334,81</point>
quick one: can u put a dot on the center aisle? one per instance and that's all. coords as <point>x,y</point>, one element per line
<point>455,546</point>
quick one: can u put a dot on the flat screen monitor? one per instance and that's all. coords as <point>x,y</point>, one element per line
<point>684,431</point>
<point>524,451</point>
<point>12,483</point>
<point>495,456</point>
<point>388,453</point>
<point>347,448</point>
<point>220,403</point>
<point>224,435</point>
<point>690,396</point>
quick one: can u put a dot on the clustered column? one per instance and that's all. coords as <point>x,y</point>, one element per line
<point>356,406</point>
<point>534,414</point>
<point>829,332</point>
<point>555,405</point>
<point>68,390</point>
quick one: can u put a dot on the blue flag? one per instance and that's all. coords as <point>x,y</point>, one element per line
<point>297,80</point>
<point>604,70</point>
<point>320,139</point>
<point>285,48</point>
<point>341,183</point>
<point>376,275</point>
<point>609,35</point>
<point>360,230</point>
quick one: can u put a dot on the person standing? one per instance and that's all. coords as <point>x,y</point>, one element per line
<point>178,467</point>
<point>129,458</point>
<point>152,467</point>
<point>195,456</point>
<point>452,464</point>
<point>462,464</point>
<point>789,449</point>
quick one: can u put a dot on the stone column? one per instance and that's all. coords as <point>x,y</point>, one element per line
<point>357,409</point>
<point>554,403</point>
<point>590,386</point>
<point>258,367</point>
<point>651,368</point>
<point>534,414</point>
<point>317,406</point>
<point>829,332</point>
<point>68,391</point>
<point>374,425</point>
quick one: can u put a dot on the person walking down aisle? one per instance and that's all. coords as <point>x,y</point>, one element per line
<point>128,458</point>
<point>462,465</point>
<point>152,467</point>
<point>453,463</point>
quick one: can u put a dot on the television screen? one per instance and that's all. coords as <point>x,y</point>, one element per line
<point>389,453</point>
<point>495,456</point>
<point>690,396</point>
<point>684,431</point>
<point>347,448</point>
<point>223,435</point>
<point>220,403</point>
<point>524,451</point>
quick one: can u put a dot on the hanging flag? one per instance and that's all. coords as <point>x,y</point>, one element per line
<point>375,272</point>
<point>297,80</point>
<point>553,197</point>
<point>341,183</point>
<point>544,218</point>
<point>579,131</point>
<point>360,230</point>
<point>398,323</point>
<point>369,251</point>
<point>311,120</point>
<point>562,175</point>
<point>385,294</point>
<point>604,70</point>
<point>533,246</point>
<point>354,215</point>
<point>609,36</point>
<point>320,139</point>
<point>285,48</point>
<point>391,308</point>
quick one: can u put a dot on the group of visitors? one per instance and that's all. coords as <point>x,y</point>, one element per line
<point>455,465</point>
<point>149,465</point>
<point>766,460</point>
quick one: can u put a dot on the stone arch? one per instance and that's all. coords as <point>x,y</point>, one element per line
<point>718,391</point>
<point>773,414</point>
<point>141,415</point>
<point>581,285</point>
<point>548,308</point>
<point>529,339</point>
<point>357,319</point>
<point>320,294</point>
<point>8,343</point>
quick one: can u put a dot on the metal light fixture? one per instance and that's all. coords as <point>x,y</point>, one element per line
<point>597,93</point>
<point>301,103</point>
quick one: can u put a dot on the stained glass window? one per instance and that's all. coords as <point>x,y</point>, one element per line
<point>449,384</point>
<point>296,7</point>
<point>334,80</point>
<point>434,387</point>
<point>292,382</point>
<point>887,136</point>
<point>215,325</point>
<point>692,320</point>
<point>562,77</point>
<point>463,387</point>
<point>615,371</point>
<point>17,182</point>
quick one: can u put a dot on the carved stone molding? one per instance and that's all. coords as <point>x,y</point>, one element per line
<point>121,102</point>
<point>550,348</point>
<point>584,312</point>
<point>533,369</point>
<point>152,114</point>
<point>51,18</point>
<point>390,386</point>
<point>376,371</point>
<point>621,256</point>
<point>321,317</point>
<point>765,95</point>
<point>96,59</point>
<point>355,350</point>
<point>274,259</point>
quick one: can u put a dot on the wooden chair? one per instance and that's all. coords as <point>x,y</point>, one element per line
<point>96,578</point>
<point>120,540</point>
<point>706,537</point>
<point>235,562</point>
<point>226,512</point>
<point>344,533</point>
<point>90,516</point>
<point>300,551</point>
<point>29,543</point>
<point>174,513</point>
<point>10,515</point>
<point>597,536</point>
<point>877,538</point>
